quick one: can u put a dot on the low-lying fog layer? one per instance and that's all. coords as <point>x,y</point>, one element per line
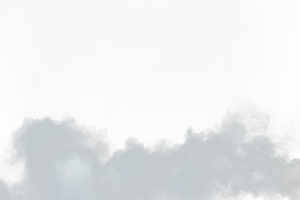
<point>62,162</point>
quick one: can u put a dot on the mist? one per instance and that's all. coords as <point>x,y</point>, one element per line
<point>65,161</point>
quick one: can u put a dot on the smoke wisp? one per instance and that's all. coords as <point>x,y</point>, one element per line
<point>60,163</point>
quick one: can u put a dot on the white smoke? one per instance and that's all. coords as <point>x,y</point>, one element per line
<point>230,161</point>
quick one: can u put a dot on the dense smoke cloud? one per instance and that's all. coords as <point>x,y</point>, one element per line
<point>61,163</point>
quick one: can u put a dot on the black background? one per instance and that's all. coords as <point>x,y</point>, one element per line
<point>147,69</point>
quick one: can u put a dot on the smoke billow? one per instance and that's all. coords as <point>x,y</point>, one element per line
<point>229,161</point>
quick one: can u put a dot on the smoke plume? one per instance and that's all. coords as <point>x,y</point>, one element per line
<point>63,163</point>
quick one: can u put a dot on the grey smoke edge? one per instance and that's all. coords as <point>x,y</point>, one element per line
<point>61,165</point>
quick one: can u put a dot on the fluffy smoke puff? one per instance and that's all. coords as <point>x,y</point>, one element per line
<point>234,160</point>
